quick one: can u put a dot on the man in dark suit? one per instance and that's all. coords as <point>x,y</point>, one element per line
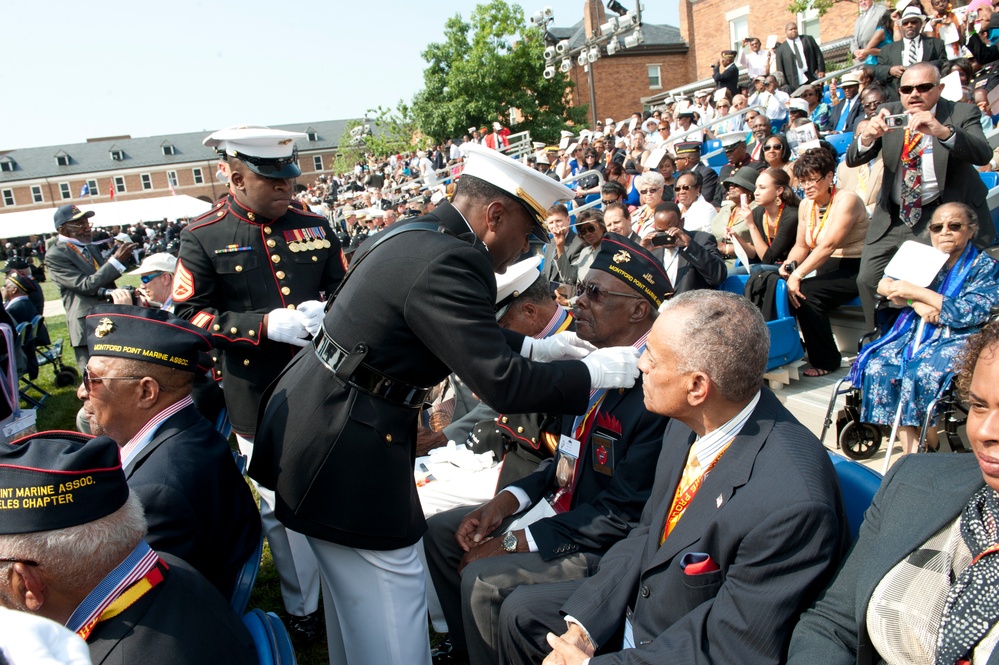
<point>564,248</point>
<point>73,552</point>
<point>16,296</point>
<point>914,47</point>
<point>338,426</point>
<point>692,261</point>
<point>79,269</point>
<point>725,72</point>
<point>952,132</point>
<point>722,564</point>
<point>137,390</point>
<point>688,158</point>
<point>23,268</point>
<point>799,58</point>
<point>849,110</point>
<point>601,475</point>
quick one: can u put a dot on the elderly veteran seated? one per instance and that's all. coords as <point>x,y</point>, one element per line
<point>743,528</point>
<point>137,390</point>
<point>919,585</point>
<point>582,501</point>
<point>72,550</point>
<point>901,373</point>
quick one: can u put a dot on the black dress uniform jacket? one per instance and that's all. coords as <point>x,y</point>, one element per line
<point>197,504</point>
<point>341,460</point>
<point>236,266</point>
<point>181,621</point>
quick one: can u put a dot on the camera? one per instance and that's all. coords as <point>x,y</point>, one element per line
<point>897,121</point>
<point>790,267</point>
<point>105,294</point>
<point>663,239</point>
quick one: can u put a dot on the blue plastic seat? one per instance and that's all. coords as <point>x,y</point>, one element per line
<point>858,485</point>
<point>714,146</point>
<point>841,142</point>
<point>270,638</point>
<point>777,126</point>
<point>990,178</point>
<point>246,579</point>
<point>785,341</point>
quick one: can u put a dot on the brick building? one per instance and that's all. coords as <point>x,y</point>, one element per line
<point>51,176</point>
<point>711,26</point>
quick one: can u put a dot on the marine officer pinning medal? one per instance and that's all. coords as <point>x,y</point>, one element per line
<point>254,271</point>
<point>337,432</point>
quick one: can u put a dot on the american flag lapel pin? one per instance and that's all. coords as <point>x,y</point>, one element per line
<point>718,501</point>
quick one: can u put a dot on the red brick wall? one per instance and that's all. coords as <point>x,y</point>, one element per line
<point>703,25</point>
<point>210,189</point>
<point>622,80</point>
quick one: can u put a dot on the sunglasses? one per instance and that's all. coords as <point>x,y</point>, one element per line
<point>596,294</point>
<point>923,88</point>
<point>808,94</point>
<point>646,192</point>
<point>608,201</point>
<point>772,147</point>
<point>89,379</point>
<point>873,105</point>
<point>586,229</point>
<point>684,188</point>
<point>951,226</point>
<point>145,279</point>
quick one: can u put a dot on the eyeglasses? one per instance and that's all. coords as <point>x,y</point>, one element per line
<point>608,201</point>
<point>772,147</point>
<point>595,293</point>
<point>808,94</point>
<point>810,183</point>
<point>912,21</point>
<point>951,226</point>
<point>873,105</point>
<point>145,279</point>
<point>26,562</point>
<point>89,379</point>
<point>684,188</point>
<point>923,88</point>
<point>586,229</point>
<point>646,192</point>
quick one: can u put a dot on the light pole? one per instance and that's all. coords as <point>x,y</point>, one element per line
<point>623,31</point>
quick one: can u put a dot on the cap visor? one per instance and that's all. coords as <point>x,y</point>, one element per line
<point>284,172</point>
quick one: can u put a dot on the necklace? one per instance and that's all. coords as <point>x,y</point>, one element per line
<point>812,237</point>
<point>732,217</point>
<point>771,234</point>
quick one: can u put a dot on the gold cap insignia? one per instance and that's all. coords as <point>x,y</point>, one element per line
<point>622,257</point>
<point>648,277</point>
<point>104,327</point>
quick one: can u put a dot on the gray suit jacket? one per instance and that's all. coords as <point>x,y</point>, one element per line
<point>957,177</point>
<point>78,282</point>
<point>934,52</point>
<point>919,496</point>
<point>773,551</point>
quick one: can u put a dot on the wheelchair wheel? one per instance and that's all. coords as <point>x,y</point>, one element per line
<point>66,378</point>
<point>859,441</point>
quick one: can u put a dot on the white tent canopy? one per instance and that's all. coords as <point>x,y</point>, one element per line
<point>113,213</point>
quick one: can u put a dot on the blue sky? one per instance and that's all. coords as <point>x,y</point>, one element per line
<point>76,70</point>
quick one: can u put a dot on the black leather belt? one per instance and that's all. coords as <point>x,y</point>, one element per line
<point>347,366</point>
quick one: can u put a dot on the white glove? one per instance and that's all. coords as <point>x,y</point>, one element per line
<point>563,346</point>
<point>288,326</point>
<point>313,313</point>
<point>613,367</point>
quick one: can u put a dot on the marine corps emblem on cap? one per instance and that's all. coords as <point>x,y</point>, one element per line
<point>104,327</point>
<point>622,257</point>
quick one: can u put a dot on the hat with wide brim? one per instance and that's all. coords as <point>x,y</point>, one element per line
<point>744,177</point>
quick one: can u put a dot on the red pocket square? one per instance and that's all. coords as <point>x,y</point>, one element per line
<point>697,563</point>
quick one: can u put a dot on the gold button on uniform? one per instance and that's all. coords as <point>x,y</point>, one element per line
<point>285,290</point>
<point>271,242</point>
<point>216,327</point>
<point>221,213</point>
<point>239,268</point>
<point>251,333</point>
<point>388,437</point>
<point>520,430</point>
<point>291,306</point>
<point>279,274</point>
<point>314,259</point>
<point>275,258</point>
<point>505,420</point>
<point>267,230</point>
<point>233,330</point>
<point>246,362</point>
<point>250,216</point>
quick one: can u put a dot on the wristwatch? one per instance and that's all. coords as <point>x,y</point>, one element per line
<point>510,542</point>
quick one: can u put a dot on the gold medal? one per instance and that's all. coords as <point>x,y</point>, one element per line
<point>327,244</point>
<point>310,245</point>
<point>293,247</point>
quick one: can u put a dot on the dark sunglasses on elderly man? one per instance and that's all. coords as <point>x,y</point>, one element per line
<point>595,293</point>
<point>923,88</point>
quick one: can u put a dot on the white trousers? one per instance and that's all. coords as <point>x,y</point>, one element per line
<point>376,605</point>
<point>296,565</point>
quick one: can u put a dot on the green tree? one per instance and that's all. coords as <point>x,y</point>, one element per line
<point>349,150</point>
<point>483,68</point>
<point>393,131</point>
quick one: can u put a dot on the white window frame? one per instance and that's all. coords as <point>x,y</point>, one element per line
<point>37,195</point>
<point>7,165</point>
<point>92,188</point>
<point>62,160</point>
<point>649,67</point>
<point>119,185</point>
<point>8,197</point>
<point>64,191</point>
<point>198,175</point>
<point>168,150</point>
<point>736,18</point>
<point>811,17</point>
<point>147,181</point>
<point>172,178</point>
<point>317,162</point>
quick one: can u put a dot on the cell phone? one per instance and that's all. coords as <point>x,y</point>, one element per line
<point>743,201</point>
<point>663,239</point>
<point>896,121</point>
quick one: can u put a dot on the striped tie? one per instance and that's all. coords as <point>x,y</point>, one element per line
<point>911,53</point>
